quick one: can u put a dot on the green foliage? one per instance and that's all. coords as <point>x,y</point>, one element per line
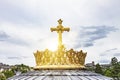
<point>114,61</point>
<point>17,68</point>
<point>98,69</point>
<point>108,73</point>
<point>111,71</point>
<point>22,68</point>
<point>90,68</point>
<point>2,76</point>
<point>119,74</point>
<point>114,69</point>
<point>8,73</point>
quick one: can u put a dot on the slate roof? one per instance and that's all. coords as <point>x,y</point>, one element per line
<point>60,75</point>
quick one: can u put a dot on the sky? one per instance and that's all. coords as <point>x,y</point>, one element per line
<point>25,28</point>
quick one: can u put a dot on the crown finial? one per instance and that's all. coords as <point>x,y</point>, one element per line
<point>60,21</point>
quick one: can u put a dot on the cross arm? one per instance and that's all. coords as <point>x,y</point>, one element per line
<point>53,29</point>
<point>66,29</point>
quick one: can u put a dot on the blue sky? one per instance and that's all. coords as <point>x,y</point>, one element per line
<point>25,28</point>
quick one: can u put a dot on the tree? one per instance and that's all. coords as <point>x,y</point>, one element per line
<point>119,74</point>
<point>115,68</point>
<point>114,61</point>
<point>2,76</point>
<point>21,68</point>
<point>8,73</point>
<point>98,69</point>
<point>108,73</point>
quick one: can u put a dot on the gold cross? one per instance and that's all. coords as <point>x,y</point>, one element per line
<point>60,29</point>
